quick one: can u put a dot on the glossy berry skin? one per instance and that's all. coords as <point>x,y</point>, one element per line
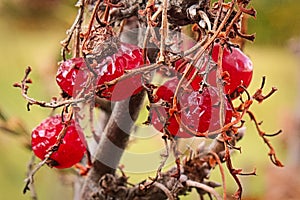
<point>67,74</point>
<point>198,112</point>
<point>128,57</point>
<point>234,62</point>
<point>237,65</point>
<point>180,67</point>
<point>194,110</point>
<point>70,151</point>
<point>73,74</point>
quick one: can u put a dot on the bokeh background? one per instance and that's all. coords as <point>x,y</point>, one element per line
<point>30,34</point>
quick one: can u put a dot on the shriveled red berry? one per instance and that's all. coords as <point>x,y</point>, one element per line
<point>194,110</point>
<point>180,67</point>
<point>67,74</point>
<point>235,64</point>
<point>128,57</point>
<point>70,151</point>
<point>73,74</point>
<point>160,114</point>
<point>238,66</point>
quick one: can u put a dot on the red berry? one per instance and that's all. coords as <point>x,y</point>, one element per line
<point>180,68</point>
<point>70,151</point>
<point>66,76</point>
<point>237,65</point>
<point>127,58</point>
<point>234,62</point>
<point>72,74</point>
<point>194,110</point>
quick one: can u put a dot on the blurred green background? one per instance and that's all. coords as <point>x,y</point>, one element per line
<point>30,34</point>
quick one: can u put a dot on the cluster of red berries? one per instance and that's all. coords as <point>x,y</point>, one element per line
<point>199,112</point>
<point>72,77</point>
<point>73,74</point>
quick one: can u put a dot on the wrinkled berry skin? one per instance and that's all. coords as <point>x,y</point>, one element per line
<point>195,84</point>
<point>238,66</point>
<point>194,110</point>
<point>235,63</point>
<point>198,112</point>
<point>73,74</point>
<point>67,74</point>
<point>70,151</point>
<point>128,57</point>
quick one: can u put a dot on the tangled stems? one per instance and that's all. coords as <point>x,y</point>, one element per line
<point>76,26</point>
<point>263,135</point>
<point>259,97</point>
<point>55,104</point>
<point>195,60</point>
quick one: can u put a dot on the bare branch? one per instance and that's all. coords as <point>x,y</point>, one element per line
<point>113,142</point>
<point>204,187</point>
<point>55,104</point>
<point>164,32</point>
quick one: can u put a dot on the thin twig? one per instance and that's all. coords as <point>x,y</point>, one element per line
<point>217,158</point>
<point>76,24</point>
<point>263,135</point>
<point>160,167</point>
<point>89,29</point>
<point>204,187</point>
<point>164,31</point>
<point>236,18</point>
<point>30,178</point>
<point>220,4</point>
<point>220,86</point>
<point>31,101</point>
<point>33,193</point>
<point>233,172</point>
<point>128,74</point>
<point>162,188</point>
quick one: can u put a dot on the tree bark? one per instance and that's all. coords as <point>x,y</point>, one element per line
<point>113,142</point>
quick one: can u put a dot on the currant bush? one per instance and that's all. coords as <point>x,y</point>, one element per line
<point>198,98</point>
